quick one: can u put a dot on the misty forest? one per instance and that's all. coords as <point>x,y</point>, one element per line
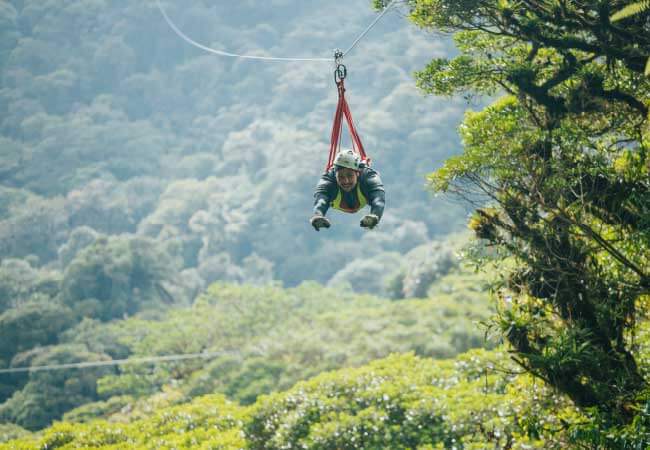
<point>162,286</point>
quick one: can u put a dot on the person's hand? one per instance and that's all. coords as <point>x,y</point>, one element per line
<point>319,222</point>
<point>369,221</point>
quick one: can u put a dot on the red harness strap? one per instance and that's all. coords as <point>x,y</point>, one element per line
<point>342,109</point>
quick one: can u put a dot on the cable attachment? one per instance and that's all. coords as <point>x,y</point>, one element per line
<point>340,72</point>
<point>338,56</point>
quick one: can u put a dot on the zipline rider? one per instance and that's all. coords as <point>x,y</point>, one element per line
<point>349,186</point>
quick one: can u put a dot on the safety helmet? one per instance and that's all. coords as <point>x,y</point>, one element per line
<point>347,158</point>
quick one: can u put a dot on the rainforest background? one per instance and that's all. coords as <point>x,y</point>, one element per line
<point>154,200</point>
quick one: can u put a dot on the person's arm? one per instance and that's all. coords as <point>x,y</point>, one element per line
<point>375,193</point>
<point>324,194</point>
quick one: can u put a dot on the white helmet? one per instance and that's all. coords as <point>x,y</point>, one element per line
<point>347,158</point>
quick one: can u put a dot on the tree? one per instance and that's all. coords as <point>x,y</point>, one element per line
<point>48,394</point>
<point>32,324</point>
<point>117,276</point>
<point>367,274</point>
<point>562,160</point>
<point>17,279</point>
<point>34,227</point>
<point>423,266</point>
<point>9,431</point>
<point>80,238</point>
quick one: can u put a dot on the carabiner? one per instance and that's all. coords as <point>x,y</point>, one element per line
<point>340,73</point>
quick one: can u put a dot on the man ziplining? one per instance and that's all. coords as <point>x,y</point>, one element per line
<point>348,183</point>
<point>349,186</point>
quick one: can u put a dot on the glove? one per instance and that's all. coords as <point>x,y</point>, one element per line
<point>319,222</point>
<point>369,221</point>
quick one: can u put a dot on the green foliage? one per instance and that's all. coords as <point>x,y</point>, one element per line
<point>424,266</point>
<point>400,402</point>
<point>268,338</point>
<point>403,402</point>
<point>117,276</point>
<point>9,432</point>
<point>17,279</point>
<point>111,340</point>
<point>367,275</point>
<point>32,324</point>
<point>208,422</point>
<point>109,206</point>
<point>48,394</point>
<point>34,227</point>
<point>98,410</point>
<point>475,401</point>
<point>10,198</point>
<point>79,239</point>
<point>560,164</point>
<point>446,77</point>
<point>397,276</point>
<point>242,379</point>
<point>631,10</point>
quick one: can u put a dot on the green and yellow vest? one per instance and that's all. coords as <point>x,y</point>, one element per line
<point>339,204</point>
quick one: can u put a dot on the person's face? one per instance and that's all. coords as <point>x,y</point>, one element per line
<point>346,178</point>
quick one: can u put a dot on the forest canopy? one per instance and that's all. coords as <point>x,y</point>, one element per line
<point>562,159</point>
<point>154,201</point>
<point>137,171</point>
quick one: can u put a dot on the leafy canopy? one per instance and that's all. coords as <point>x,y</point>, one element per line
<point>559,171</point>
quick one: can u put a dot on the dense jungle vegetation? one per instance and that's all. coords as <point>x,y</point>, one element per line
<point>154,201</point>
<point>135,172</point>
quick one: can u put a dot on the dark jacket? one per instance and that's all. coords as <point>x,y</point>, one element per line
<point>371,187</point>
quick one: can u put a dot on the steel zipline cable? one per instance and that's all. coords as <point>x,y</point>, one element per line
<point>374,22</point>
<point>119,362</point>
<point>191,41</point>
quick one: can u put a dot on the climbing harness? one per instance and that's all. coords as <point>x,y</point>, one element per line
<point>343,110</point>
